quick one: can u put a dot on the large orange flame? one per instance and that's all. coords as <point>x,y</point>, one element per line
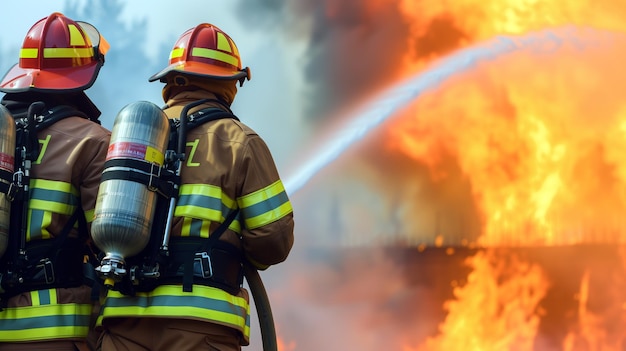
<point>539,139</point>
<point>535,137</point>
<point>503,294</point>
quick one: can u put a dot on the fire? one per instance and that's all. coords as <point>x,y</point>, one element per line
<point>459,23</point>
<point>529,143</point>
<point>285,346</point>
<point>538,139</point>
<point>501,288</point>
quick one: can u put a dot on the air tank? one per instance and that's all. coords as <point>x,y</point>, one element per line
<point>125,208</point>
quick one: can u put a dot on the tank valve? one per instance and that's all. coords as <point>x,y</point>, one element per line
<point>111,270</point>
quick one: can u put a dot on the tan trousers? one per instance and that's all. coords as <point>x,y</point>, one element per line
<point>166,334</point>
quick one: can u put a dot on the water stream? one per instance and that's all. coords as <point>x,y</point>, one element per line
<point>372,114</point>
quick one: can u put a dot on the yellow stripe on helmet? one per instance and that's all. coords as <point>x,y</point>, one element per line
<point>67,52</point>
<point>177,52</point>
<point>29,53</point>
<point>76,37</point>
<point>215,55</point>
<point>223,43</point>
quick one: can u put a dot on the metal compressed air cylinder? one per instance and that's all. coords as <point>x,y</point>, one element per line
<point>7,167</point>
<point>125,207</point>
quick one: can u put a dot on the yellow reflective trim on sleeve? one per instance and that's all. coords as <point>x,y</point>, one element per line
<point>194,212</point>
<point>210,214</point>
<point>29,53</point>
<point>262,194</point>
<point>269,217</point>
<point>54,185</point>
<point>215,55</point>
<point>202,189</point>
<point>51,206</point>
<point>67,52</point>
<point>198,213</point>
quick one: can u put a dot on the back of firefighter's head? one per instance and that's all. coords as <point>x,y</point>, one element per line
<point>204,57</point>
<point>59,55</point>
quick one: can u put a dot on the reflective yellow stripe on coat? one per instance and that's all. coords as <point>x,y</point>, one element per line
<point>45,319</point>
<point>203,303</point>
<point>48,197</point>
<point>201,204</point>
<point>265,206</point>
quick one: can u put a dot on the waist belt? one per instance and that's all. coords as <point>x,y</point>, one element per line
<point>61,268</point>
<point>190,263</point>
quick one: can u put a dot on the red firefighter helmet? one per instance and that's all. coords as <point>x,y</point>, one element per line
<point>205,51</point>
<point>57,54</point>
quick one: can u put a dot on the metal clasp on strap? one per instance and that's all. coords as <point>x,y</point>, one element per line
<point>48,270</point>
<point>202,261</point>
<point>153,182</point>
<point>18,180</point>
<point>11,191</point>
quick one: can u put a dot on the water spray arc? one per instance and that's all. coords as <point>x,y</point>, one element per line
<point>394,99</point>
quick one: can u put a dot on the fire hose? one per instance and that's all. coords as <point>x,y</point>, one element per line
<point>263,308</point>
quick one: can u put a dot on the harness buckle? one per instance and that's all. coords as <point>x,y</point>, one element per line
<point>48,270</point>
<point>202,262</point>
<point>12,191</point>
<point>154,177</point>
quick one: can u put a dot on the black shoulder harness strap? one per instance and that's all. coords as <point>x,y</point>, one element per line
<point>56,114</point>
<point>196,119</point>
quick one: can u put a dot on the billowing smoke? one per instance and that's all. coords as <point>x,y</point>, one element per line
<point>354,47</point>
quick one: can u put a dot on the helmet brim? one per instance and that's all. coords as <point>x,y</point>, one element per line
<point>19,79</point>
<point>200,70</point>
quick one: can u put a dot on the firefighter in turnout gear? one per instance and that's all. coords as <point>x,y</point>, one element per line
<point>231,207</point>
<point>49,301</point>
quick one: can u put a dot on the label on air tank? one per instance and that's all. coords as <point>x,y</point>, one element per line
<point>135,150</point>
<point>6,162</point>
